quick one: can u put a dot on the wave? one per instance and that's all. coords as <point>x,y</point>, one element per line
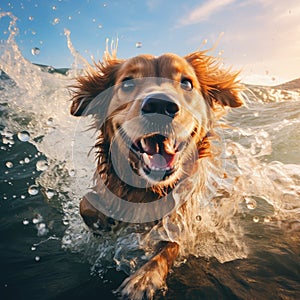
<point>260,151</point>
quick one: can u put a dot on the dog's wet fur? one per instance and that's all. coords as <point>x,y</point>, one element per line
<point>185,95</point>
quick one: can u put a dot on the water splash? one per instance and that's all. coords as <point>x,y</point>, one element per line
<point>79,60</point>
<point>13,62</point>
<point>256,189</point>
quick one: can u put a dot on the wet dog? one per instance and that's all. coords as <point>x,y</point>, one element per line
<point>155,117</point>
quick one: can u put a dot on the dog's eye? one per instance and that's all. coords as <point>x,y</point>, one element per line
<point>186,84</point>
<point>128,85</point>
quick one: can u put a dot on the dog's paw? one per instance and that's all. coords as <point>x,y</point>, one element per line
<point>141,285</point>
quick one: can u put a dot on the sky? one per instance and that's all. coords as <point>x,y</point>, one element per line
<point>259,37</point>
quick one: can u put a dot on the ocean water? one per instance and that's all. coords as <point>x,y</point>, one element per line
<point>251,252</point>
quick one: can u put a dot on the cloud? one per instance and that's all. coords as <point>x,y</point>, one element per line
<point>153,4</point>
<point>204,11</point>
<point>260,35</point>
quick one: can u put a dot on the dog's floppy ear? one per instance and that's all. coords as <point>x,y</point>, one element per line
<point>95,81</point>
<point>218,85</point>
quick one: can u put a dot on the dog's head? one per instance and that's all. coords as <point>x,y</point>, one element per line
<point>157,112</point>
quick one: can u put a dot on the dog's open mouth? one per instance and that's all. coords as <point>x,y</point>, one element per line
<point>158,155</point>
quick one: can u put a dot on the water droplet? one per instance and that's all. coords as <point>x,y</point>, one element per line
<point>104,5</point>
<point>50,193</point>
<point>65,222</point>
<point>54,7</point>
<point>33,248</point>
<point>255,219</point>
<point>42,165</point>
<point>37,258</point>
<point>50,69</point>
<point>55,21</point>
<point>37,219</point>
<point>50,121</point>
<point>25,222</point>
<point>23,197</point>
<point>30,18</point>
<point>35,51</point>
<point>42,229</point>
<point>9,164</point>
<point>138,45</point>
<point>72,172</point>
<point>8,133</point>
<point>250,203</point>
<point>24,136</point>
<point>267,219</point>
<point>198,218</point>
<point>100,26</point>
<point>229,151</point>
<point>33,190</point>
<point>26,160</point>
<point>7,141</point>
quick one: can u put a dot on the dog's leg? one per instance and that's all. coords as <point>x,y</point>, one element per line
<point>93,218</point>
<point>151,276</point>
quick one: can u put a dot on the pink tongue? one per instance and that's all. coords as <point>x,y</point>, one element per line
<point>161,161</point>
<point>155,155</point>
<point>158,161</point>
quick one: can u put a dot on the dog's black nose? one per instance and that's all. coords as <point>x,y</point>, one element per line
<point>159,104</point>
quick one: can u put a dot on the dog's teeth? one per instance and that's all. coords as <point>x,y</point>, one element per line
<point>154,168</point>
<point>146,159</point>
<point>143,144</point>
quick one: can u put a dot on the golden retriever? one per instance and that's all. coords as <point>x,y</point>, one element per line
<point>155,117</point>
